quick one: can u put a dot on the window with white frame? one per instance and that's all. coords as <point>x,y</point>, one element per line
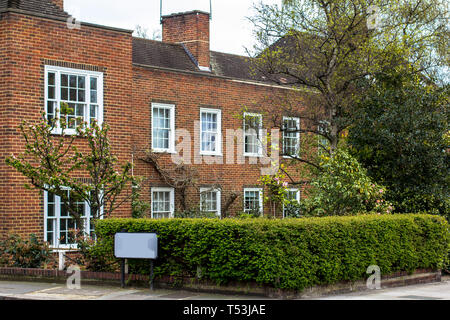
<point>293,195</point>
<point>163,203</point>
<point>253,134</point>
<point>210,132</point>
<point>74,97</point>
<point>323,142</point>
<point>163,127</point>
<point>291,136</point>
<point>60,224</point>
<point>210,200</point>
<point>253,200</point>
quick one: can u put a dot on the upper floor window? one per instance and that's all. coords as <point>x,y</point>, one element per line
<point>163,127</point>
<point>210,201</point>
<point>210,132</point>
<point>74,97</point>
<point>59,224</point>
<point>253,134</point>
<point>291,136</point>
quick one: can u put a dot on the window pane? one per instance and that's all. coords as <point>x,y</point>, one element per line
<point>64,80</point>
<point>73,94</point>
<point>64,94</point>
<point>73,81</point>
<point>93,83</point>
<point>51,79</point>
<point>51,92</point>
<point>81,95</point>
<point>81,82</point>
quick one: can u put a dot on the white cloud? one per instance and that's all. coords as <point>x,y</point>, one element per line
<point>230,30</point>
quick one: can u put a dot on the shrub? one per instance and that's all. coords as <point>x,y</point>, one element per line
<point>194,213</point>
<point>16,252</point>
<point>290,253</point>
<point>343,187</point>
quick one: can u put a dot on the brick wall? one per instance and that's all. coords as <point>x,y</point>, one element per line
<point>31,43</point>
<point>189,93</point>
<point>28,43</point>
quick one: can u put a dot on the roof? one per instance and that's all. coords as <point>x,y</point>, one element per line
<point>174,56</point>
<point>45,7</point>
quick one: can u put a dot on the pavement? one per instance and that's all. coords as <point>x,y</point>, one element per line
<point>21,290</point>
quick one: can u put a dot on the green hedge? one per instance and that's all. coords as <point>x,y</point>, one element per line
<point>290,253</point>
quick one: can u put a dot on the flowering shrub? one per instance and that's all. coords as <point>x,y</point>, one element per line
<point>343,187</point>
<point>32,253</point>
<point>276,190</point>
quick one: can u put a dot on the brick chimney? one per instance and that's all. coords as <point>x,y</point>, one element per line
<point>59,3</point>
<point>192,30</point>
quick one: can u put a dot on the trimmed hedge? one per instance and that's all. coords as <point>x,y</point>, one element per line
<point>290,253</point>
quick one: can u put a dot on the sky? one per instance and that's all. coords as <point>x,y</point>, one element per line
<point>231,32</point>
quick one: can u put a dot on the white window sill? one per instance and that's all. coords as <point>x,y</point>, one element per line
<point>164,151</point>
<point>253,155</point>
<point>204,153</point>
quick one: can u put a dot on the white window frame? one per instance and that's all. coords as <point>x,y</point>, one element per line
<point>297,120</point>
<point>171,108</point>
<point>172,199</point>
<point>218,195</point>
<point>76,72</point>
<point>297,197</point>
<point>259,153</point>
<point>57,217</point>
<point>320,138</point>
<point>218,151</point>
<point>260,200</point>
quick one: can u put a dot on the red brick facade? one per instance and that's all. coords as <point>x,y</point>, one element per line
<point>30,42</point>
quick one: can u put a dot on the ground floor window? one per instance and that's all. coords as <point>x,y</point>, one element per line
<point>291,210</point>
<point>253,200</point>
<point>163,203</point>
<point>59,223</point>
<point>210,201</point>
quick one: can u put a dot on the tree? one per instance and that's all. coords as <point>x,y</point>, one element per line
<point>401,135</point>
<point>142,32</point>
<point>53,163</point>
<point>332,49</point>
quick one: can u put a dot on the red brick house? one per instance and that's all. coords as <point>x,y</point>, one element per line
<point>164,96</point>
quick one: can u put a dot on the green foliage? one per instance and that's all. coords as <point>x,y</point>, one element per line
<point>290,253</point>
<point>328,46</point>
<point>293,209</point>
<point>54,163</point>
<point>342,187</point>
<point>16,252</point>
<point>194,213</point>
<point>276,187</point>
<point>401,136</point>
<point>93,256</point>
<point>139,207</point>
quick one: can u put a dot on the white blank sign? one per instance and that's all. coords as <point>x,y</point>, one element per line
<point>136,245</point>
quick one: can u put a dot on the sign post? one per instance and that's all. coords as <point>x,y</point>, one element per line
<point>136,246</point>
